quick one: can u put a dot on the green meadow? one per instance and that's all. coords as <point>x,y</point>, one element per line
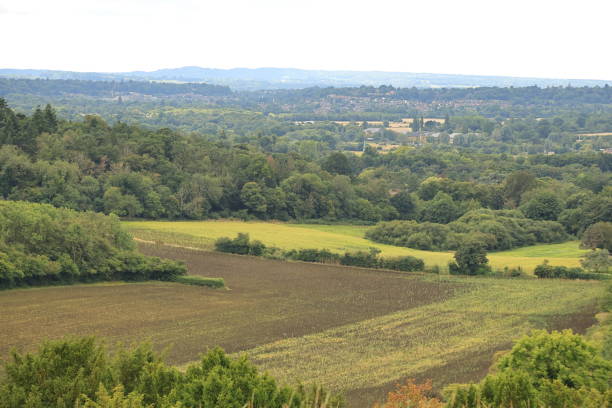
<point>336,238</point>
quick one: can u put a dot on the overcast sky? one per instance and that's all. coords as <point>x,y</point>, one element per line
<point>539,38</point>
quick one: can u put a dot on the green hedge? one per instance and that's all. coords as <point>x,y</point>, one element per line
<point>563,272</point>
<point>44,245</point>
<point>364,259</point>
<point>312,255</point>
<point>200,281</point>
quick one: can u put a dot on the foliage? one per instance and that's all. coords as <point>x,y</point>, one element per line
<point>312,255</point>
<point>66,373</point>
<point>494,229</point>
<point>241,245</point>
<point>411,395</point>
<point>362,259</point>
<point>470,259</point>
<point>542,370</point>
<point>403,263</point>
<point>246,164</point>
<point>200,281</point>
<point>40,244</point>
<point>548,271</point>
<point>545,205</point>
<point>598,235</point>
<point>597,261</point>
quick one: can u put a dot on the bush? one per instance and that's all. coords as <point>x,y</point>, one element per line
<point>404,263</point>
<point>43,245</point>
<point>550,272</point>
<point>241,245</point>
<point>361,259</point>
<point>312,255</point>
<point>200,281</point>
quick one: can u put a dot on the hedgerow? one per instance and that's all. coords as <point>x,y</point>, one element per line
<point>43,245</point>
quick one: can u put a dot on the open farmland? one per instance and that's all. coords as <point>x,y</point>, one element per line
<point>352,329</point>
<point>336,238</point>
<point>266,301</point>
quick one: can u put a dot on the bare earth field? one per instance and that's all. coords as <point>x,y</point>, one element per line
<point>267,301</point>
<point>352,329</point>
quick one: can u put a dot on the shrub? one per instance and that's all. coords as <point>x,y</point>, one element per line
<point>361,258</point>
<point>313,255</point>
<point>411,395</point>
<point>241,245</point>
<point>201,281</point>
<point>404,263</point>
<point>548,271</point>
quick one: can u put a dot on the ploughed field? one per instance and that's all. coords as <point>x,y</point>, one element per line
<point>336,238</point>
<point>352,329</point>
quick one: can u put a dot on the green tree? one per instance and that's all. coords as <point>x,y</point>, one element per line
<point>442,209</point>
<point>545,205</point>
<point>470,259</point>
<point>337,163</point>
<point>253,199</point>
<point>516,184</point>
<point>558,369</point>
<point>404,204</point>
<point>598,235</point>
<point>597,261</point>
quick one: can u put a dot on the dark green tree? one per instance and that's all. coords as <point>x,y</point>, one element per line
<point>470,259</point>
<point>337,163</point>
<point>404,204</point>
<point>544,205</point>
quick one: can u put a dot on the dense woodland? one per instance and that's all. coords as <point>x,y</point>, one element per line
<point>91,165</point>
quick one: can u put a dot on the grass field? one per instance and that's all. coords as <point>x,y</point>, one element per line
<point>352,329</point>
<point>337,238</point>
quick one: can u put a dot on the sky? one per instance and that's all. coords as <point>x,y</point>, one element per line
<point>535,38</point>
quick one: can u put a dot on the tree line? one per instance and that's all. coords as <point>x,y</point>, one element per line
<point>136,172</point>
<point>62,87</point>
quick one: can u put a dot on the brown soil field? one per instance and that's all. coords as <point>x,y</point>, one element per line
<point>278,312</point>
<point>267,300</point>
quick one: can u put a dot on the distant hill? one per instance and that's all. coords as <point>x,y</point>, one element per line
<point>290,78</point>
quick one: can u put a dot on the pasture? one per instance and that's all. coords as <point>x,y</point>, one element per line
<point>336,238</point>
<point>352,329</point>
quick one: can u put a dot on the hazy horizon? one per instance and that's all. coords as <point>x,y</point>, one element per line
<point>298,68</point>
<point>524,39</point>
